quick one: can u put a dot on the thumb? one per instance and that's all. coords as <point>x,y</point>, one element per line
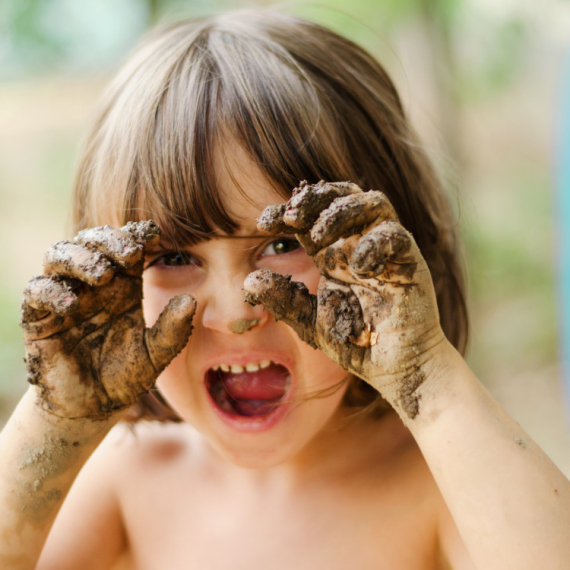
<point>170,333</point>
<point>289,301</point>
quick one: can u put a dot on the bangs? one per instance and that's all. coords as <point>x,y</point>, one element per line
<point>170,114</point>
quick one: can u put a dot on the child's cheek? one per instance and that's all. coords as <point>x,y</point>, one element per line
<point>154,301</point>
<point>299,265</point>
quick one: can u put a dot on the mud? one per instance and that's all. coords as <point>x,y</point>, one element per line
<point>29,314</point>
<point>146,233</point>
<point>271,220</point>
<point>309,200</point>
<point>47,294</point>
<point>66,259</point>
<point>349,215</point>
<point>39,466</point>
<point>118,245</point>
<point>242,325</point>
<point>521,442</point>
<point>33,364</point>
<point>408,399</point>
<point>343,318</point>
<point>334,257</point>
<point>286,300</point>
<point>170,334</point>
<point>384,244</point>
<point>49,460</point>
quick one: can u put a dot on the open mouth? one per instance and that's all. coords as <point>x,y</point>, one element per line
<point>250,391</point>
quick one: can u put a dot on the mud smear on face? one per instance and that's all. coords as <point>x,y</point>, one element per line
<point>246,393</point>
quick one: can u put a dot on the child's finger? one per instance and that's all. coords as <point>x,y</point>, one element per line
<point>388,247</point>
<point>145,233</point>
<point>271,220</point>
<point>113,243</point>
<point>309,200</point>
<point>95,307</point>
<point>286,300</point>
<point>65,259</point>
<point>30,315</point>
<point>46,294</point>
<point>349,215</point>
<point>170,333</point>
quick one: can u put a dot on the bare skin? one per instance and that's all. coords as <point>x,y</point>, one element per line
<point>201,512</point>
<point>375,285</point>
<point>356,494</point>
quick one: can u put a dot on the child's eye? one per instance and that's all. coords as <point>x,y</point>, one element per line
<point>174,259</point>
<point>283,244</point>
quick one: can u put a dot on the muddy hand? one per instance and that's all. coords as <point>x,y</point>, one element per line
<point>88,352</point>
<point>375,313</point>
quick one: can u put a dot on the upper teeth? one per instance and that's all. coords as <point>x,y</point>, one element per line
<point>238,368</point>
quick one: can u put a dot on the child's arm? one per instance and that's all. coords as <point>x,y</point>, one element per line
<point>376,315</point>
<point>39,460</point>
<point>509,501</point>
<point>88,356</point>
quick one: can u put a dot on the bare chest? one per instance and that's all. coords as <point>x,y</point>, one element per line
<point>221,531</point>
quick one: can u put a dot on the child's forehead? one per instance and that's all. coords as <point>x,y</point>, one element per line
<point>234,165</point>
<point>243,186</point>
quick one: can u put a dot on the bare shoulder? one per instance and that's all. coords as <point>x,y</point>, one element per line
<point>153,443</point>
<point>90,531</point>
<point>135,458</point>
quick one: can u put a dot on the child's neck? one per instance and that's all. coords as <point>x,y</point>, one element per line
<point>345,447</point>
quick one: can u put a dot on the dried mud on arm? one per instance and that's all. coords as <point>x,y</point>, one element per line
<point>89,356</point>
<point>40,461</point>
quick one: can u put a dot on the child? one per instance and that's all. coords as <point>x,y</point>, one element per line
<point>330,421</point>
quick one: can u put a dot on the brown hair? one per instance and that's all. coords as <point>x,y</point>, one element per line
<point>304,103</point>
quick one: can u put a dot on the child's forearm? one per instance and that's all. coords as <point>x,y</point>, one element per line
<point>509,501</point>
<point>40,457</point>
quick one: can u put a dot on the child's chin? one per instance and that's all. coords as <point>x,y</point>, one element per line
<point>257,457</point>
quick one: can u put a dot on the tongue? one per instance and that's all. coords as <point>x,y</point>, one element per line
<point>254,407</point>
<point>265,384</point>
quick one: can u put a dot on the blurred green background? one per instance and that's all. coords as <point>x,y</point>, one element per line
<point>479,79</point>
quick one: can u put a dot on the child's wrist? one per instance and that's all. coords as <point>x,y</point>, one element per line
<point>425,382</point>
<point>85,427</point>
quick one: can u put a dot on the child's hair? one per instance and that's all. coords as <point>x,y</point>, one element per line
<point>303,102</point>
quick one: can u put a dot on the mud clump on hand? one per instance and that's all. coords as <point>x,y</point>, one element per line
<point>343,315</point>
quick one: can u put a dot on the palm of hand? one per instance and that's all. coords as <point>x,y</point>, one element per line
<point>87,349</point>
<point>375,313</point>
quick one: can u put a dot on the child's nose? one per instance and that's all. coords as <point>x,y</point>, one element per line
<point>226,310</point>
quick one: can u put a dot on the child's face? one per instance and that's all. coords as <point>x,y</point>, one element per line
<point>236,410</point>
